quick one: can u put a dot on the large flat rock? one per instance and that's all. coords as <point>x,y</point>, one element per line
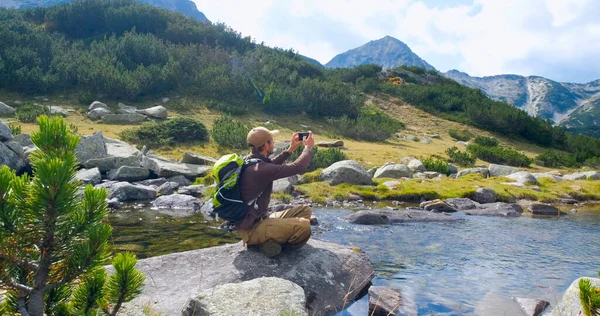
<point>166,168</point>
<point>385,217</point>
<point>331,275</point>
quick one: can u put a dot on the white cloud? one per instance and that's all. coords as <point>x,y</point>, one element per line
<point>481,37</point>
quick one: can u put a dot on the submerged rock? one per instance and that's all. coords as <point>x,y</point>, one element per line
<point>331,275</point>
<point>544,209</point>
<point>262,296</point>
<point>386,217</point>
<point>496,209</point>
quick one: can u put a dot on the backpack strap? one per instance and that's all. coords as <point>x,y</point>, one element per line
<point>248,163</point>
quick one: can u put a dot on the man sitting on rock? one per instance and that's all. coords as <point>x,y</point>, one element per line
<point>290,228</point>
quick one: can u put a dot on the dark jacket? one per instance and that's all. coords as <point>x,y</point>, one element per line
<point>258,180</point>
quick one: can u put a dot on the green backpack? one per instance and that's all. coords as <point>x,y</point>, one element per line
<point>227,201</point>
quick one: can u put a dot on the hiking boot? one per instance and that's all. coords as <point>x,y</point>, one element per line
<point>270,248</point>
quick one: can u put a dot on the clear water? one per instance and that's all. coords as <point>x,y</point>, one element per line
<point>470,267</point>
<point>474,266</point>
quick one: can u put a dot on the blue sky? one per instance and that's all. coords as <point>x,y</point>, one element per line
<point>557,39</point>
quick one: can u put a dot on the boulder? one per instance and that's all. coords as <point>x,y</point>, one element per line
<point>207,210</point>
<point>386,217</point>
<point>372,171</point>
<point>110,163</point>
<point>194,190</point>
<point>335,143</point>
<point>532,307</point>
<point>129,174</point>
<point>395,171</point>
<point>384,301</point>
<point>426,175</point>
<point>117,148</point>
<point>6,110</point>
<point>501,170</point>
<point>331,275</point>
<point>523,177</point>
<point>16,148</point>
<point>159,112</point>
<point>426,140</point>
<point>195,159</point>
<point>89,176</point>
<point>98,113</point>
<point>157,182</point>
<point>10,158</point>
<point>177,201</point>
<point>283,185</point>
<point>415,165</point>
<point>125,192</point>
<point>570,305</point>
<point>346,171</point>
<point>484,172</point>
<point>462,143</point>
<point>168,188</point>
<point>462,203</point>
<point>5,132</point>
<point>452,169</point>
<point>123,119</point>
<point>113,204</point>
<point>269,296</point>
<point>484,195</point>
<point>24,140</point>
<point>433,135</point>
<point>496,209</point>
<point>392,184</point>
<point>126,109</point>
<point>166,168</point>
<point>97,105</point>
<point>91,147</point>
<point>57,110</point>
<point>588,175</point>
<point>437,206</point>
<point>183,181</point>
<point>412,137</point>
<point>547,175</point>
<point>543,209</point>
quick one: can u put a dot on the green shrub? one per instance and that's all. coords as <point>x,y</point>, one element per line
<point>15,129</point>
<point>370,125</point>
<point>435,164</point>
<point>228,108</point>
<point>86,98</point>
<point>460,158</point>
<point>177,130</point>
<point>589,297</point>
<point>556,159</point>
<point>486,141</point>
<point>230,133</point>
<point>499,155</point>
<point>321,158</point>
<point>464,135</point>
<point>28,113</point>
<point>593,162</point>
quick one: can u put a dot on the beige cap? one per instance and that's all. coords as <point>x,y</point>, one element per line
<point>259,136</point>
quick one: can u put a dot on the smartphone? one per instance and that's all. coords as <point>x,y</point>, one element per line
<point>303,135</point>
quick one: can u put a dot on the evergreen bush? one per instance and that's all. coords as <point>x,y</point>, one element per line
<point>460,158</point>
<point>464,135</point>
<point>321,158</point>
<point>556,159</point>
<point>370,125</point>
<point>173,131</point>
<point>486,141</point>
<point>28,112</point>
<point>230,133</point>
<point>435,164</point>
<point>499,155</point>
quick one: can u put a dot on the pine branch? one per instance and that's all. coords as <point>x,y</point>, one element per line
<point>15,285</point>
<point>21,263</point>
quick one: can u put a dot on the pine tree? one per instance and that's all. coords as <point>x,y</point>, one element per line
<point>53,245</point>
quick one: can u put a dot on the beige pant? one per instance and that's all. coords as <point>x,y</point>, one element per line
<point>290,228</point>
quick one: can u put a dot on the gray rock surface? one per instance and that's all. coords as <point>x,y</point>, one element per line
<point>452,169</point>
<point>10,158</point>
<point>496,209</point>
<point>415,165</point>
<point>89,176</point>
<point>462,203</point>
<point>544,209</point>
<point>5,132</point>
<point>125,192</point>
<point>91,147</point>
<point>166,168</point>
<point>501,170</point>
<point>283,186</point>
<point>484,172</point>
<point>183,181</point>
<point>196,159</point>
<point>16,148</point>
<point>426,175</point>
<point>261,296</point>
<point>168,188</point>
<point>159,112</point>
<point>6,110</point>
<point>98,113</point>
<point>437,206</point>
<point>386,217</point>
<point>110,163</point>
<point>395,171</point>
<point>119,148</point>
<point>335,143</point>
<point>57,110</point>
<point>426,140</point>
<point>24,140</point>
<point>587,175</point>
<point>570,305</point>
<point>129,174</point>
<point>123,119</point>
<point>384,301</point>
<point>178,202</point>
<point>523,177</point>
<point>331,275</point>
<point>157,182</point>
<point>126,109</point>
<point>484,195</point>
<point>547,175</point>
<point>532,307</point>
<point>194,190</point>
<point>346,171</point>
<point>97,105</point>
